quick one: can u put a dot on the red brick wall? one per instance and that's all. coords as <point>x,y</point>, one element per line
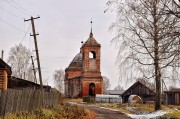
<point>85,88</point>
<point>3,79</point>
<point>86,59</point>
<point>72,74</point>
<point>93,74</point>
<point>91,70</point>
<point>98,86</point>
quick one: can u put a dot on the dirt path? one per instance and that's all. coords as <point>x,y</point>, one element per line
<point>104,113</point>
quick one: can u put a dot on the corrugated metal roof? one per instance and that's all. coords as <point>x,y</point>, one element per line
<point>114,92</point>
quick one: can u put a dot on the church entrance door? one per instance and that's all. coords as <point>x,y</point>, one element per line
<point>92,89</point>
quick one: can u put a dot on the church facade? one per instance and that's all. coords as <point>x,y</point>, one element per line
<point>83,75</point>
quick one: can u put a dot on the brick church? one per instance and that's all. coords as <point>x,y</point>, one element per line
<point>83,76</point>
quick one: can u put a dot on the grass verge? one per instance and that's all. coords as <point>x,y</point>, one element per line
<point>60,112</point>
<point>173,111</point>
<point>172,115</point>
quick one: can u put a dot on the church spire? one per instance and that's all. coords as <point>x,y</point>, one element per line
<point>91,41</point>
<point>91,34</point>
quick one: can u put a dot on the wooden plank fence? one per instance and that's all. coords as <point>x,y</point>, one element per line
<point>14,101</point>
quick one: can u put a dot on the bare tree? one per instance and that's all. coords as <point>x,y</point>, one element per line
<point>19,59</point>
<point>29,75</point>
<point>119,87</point>
<point>148,40</point>
<point>173,8</point>
<point>59,76</point>
<point>107,84</point>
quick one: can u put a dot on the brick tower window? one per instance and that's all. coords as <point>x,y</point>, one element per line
<point>92,55</point>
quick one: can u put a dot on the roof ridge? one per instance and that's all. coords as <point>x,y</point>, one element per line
<point>91,41</point>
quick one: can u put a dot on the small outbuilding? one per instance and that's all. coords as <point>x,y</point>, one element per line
<point>172,97</point>
<point>142,88</point>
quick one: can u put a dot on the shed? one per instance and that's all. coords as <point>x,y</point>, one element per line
<point>172,97</point>
<point>141,88</point>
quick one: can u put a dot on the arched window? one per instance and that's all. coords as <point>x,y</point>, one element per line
<point>92,54</point>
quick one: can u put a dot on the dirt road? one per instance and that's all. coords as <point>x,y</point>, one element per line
<point>103,113</point>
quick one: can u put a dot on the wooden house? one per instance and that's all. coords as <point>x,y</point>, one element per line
<point>5,71</point>
<point>141,88</point>
<point>172,97</point>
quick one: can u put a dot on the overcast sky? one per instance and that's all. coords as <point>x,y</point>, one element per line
<point>63,24</point>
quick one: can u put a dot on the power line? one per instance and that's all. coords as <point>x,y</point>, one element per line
<point>17,8</point>
<point>10,13</point>
<point>25,33</point>
<point>23,7</point>
<point>11,25</point>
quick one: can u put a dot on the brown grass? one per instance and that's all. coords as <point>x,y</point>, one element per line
<point>60,112</point>
<point>175,110</point>
<point>78,100</point>
<point>173,115</point>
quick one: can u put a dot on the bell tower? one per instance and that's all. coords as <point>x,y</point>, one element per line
<point>92,82</point>
<point>91,57</point>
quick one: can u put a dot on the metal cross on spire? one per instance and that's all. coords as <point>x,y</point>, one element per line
<point>91,34</point>
<point>91,25</point>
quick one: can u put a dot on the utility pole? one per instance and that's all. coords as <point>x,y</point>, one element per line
<point>2,54</point>
<point>34,70</point>
<point>36,48</point>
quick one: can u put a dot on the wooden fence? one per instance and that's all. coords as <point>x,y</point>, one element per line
<point>14,101</point>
